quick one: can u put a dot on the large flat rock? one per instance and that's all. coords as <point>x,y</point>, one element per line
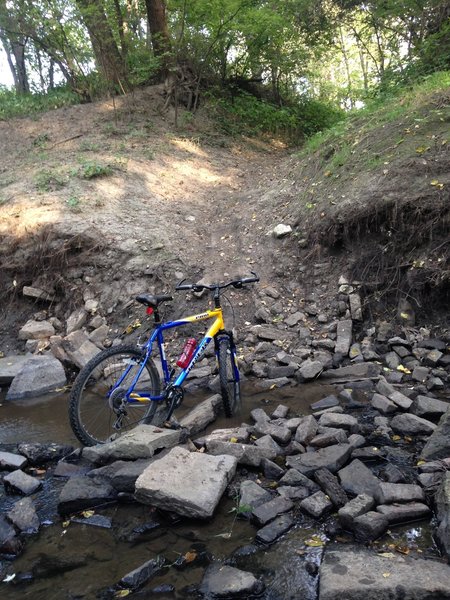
<point>331,458</point>
<point>438,444</point>
<point>202,415</point>
<point>140,442</point>
<point>359,574</point>
<point>11,366</point>
<point>39,375</point>
<point>187,483</point>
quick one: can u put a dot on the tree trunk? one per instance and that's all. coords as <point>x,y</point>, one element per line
<point>160,38</point>
<point>107,55</point>
<point>14,44</point>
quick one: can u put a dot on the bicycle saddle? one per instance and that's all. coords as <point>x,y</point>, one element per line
<point>153,301</point>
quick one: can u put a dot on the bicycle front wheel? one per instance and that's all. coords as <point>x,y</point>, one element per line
<point>228,377</point>
<point>97,409</point>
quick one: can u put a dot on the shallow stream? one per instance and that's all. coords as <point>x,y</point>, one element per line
<point>75,560</point>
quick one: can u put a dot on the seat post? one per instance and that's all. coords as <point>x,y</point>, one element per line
<point>156,316</point>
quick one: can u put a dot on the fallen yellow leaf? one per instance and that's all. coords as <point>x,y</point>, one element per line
<point>386,575</point>
<point>190,556</point>
<point>88,513</point>
<point>122,593</point>
<point>387,554</point>
<point>233,440</point>
<point>396,438</point>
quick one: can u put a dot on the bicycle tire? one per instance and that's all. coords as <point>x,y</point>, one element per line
<point>229,382</point>
<point>90,414</point>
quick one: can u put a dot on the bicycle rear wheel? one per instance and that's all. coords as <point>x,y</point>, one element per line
<point>228,376</point>
<point>96,398</point>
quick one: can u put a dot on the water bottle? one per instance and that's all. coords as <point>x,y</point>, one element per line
<point>188,353</point>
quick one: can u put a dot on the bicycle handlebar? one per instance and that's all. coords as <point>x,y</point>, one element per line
<point>237,283</point>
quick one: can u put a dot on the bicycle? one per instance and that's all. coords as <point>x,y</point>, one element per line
<point>121,386</point>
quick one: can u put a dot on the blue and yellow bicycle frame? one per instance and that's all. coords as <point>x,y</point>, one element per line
<point>216,328</point>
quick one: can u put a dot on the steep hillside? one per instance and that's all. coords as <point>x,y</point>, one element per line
<point>111,197</point>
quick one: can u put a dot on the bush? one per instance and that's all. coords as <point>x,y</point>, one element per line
<point>17,105</point>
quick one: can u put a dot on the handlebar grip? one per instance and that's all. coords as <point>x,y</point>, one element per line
<point>250,280</point>
<point>184,286</point>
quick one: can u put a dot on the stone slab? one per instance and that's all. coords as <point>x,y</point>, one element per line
<point>39,375</point>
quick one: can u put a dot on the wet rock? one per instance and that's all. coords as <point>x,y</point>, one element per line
<point>420,374</point>
<point>36,330</point>
<point>138,577</point>
<point>331,457</point>
<point>252,495</point>
<point>316,505</point>
<point>293,492</point>
<point>330,485</point>
<point>357,479</point>
<point>23,516</point>
<point>403,513</point>
<point>327,402</point>
<point>443,514</point>
<point>355,573</point>
<point>40,454</point>
<point>306,430</point>
<point>141,442</point>
<point>222,581</point>
<point>19,482</point>
<point>369,526</point>
<point>246,454</point>
<point>269,384</point>
<point>124,479</point>
<point>10,366</point>
<point>270,444</point>
<point>328,437</point>
<point>271,470</point>
<point>398,492</point>
<point>412,425</point>
<point>268,511</point>
<point>386,389</point>
<point>38,376</point>
<point>356,507</point>
<point>202,414</point>
<point>271,532</point>
<point>369,454</point>
<point>392,474</point>
<point>80,493</point>
<point>163,483</point>
<point>280,412</point>
<point>259,415</point>
<point>9,543</point>
<point>310,369</point>
<point>356,440</point>
<point>280,434</point>
<point>11,462</point>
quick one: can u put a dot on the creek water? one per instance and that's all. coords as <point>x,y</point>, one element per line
<point>68,560</point>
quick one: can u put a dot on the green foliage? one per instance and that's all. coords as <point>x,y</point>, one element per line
<point>92,169</point>
<point>73,203</point>
<point>245,113</point>
<point>49,180</point>
<point>17,105</point>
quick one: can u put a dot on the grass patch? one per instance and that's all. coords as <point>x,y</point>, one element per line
<point>92,169</point>
<point>49,180</point>
<point>89,146</point>
<point>18,105</point>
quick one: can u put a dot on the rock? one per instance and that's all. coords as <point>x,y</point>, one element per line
<point>429,408</point>
<point>259,415</point>
<point>293,492</point>
<point>383,404</point>
<point>79,348</point>
<point>38,376</point>
<point>38,454</point>
<point>412,425</point>
<point>270,444</point>
<point>140,442</point>
<point>356,507</point>
<point>124,479</point>
<point>306,430</point>
<point>357,479</point>
<point>34,292</point>
<point>420,374</point>
<point>240,434</point>
<point>280,412</point>
<point>221,581</point>
<point>268,511</point>
<point>271,532</point>
<point>365,370</point>
<point>11,462</point>
<point>369,526</point>
<point>330,485</point>
<point>10,367</point>
<point>76,320</point>
<point>9,543</point>
<point>80,493</point>
<point>328,437</point>
<point>269,384</point>
<point>294,319</point>
<point>310,369</point>
<point>271,470</point>
<point>140,576</point>
<point>356,573</point>
<point>399,492</point>
<point>99,335</point>
<point>19,482</point>
<point>252,495</point>
<point>281,231</point>
<point>327,402</point>
<point>316,505</point>
<point>443,514</point>
<point>355,306</point>
<point>344,337</point>
<point>163,483</point>
<point>246,454</point>
<point>292,477</point>
<point>280,434</point>
<point>36,330</point>
<point>23,516</point>
<point>337,421</point>
<point>331,457</point>
<point>202,414</point>
<point>403,513</point>
<point>433,344</point>
<point>386,389</point>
